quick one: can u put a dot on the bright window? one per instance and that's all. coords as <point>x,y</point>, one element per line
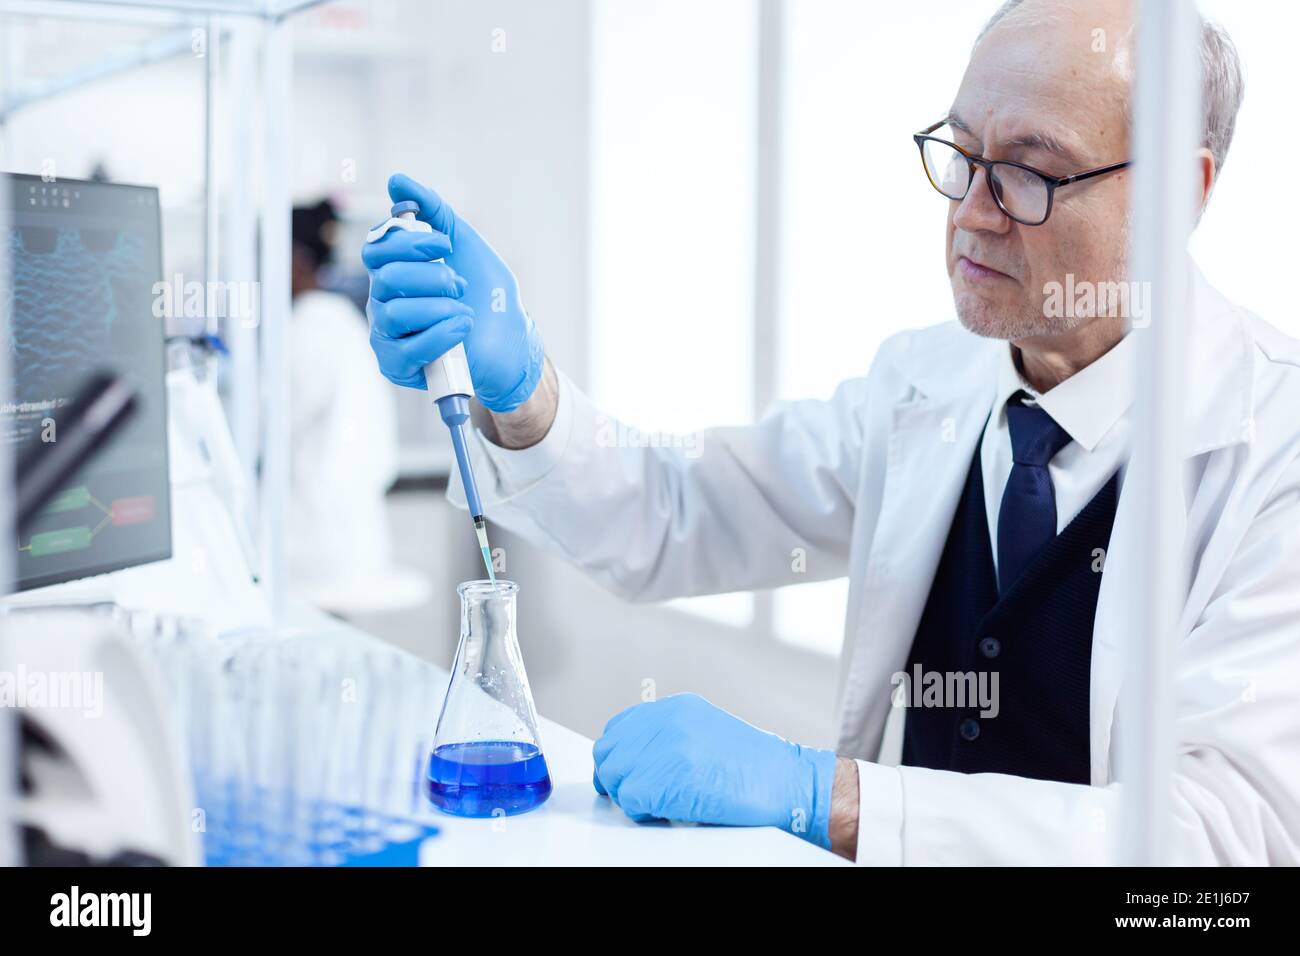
<point>863,235</point>
<point>863,232</point>
<point>1248,203</point>
<point>673,114</point>
<point>673,133</point>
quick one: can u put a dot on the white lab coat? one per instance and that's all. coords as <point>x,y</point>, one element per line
<point>867,485</point>
<point>344,456</point>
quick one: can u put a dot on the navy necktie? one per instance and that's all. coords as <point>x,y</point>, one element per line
<point>1027,518</point>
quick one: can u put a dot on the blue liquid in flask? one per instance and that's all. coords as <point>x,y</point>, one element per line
<point>480,778</point>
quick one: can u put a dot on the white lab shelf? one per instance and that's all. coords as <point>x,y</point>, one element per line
<point>23,93</point>
<point>257,35</point>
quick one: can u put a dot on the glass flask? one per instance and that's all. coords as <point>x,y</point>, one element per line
<point>487,756</point>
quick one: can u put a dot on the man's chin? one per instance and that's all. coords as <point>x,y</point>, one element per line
<point>998,321</point>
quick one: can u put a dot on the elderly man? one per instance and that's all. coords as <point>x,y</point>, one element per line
<point>971,486</point>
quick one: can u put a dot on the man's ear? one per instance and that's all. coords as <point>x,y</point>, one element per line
<point>1208,172</point>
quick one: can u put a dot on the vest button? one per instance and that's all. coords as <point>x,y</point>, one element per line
<point>969,728</point>
<point>990,647</point>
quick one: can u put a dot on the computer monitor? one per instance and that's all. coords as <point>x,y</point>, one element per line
<point>84,261</point>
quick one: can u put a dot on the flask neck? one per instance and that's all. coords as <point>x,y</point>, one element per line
<point>488,611</point>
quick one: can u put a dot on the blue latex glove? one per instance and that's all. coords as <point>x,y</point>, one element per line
<point>681,758</point>
<point>419,309</point>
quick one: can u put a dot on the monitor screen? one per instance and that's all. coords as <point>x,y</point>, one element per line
<point>84,261</point>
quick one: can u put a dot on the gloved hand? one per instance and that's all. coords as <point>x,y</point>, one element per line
<point>681,758</point>
<point>419,309</point>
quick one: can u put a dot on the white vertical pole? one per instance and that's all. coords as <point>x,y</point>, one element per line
<point>767,200</point>
<point>769,120</point>
<point>1167,123</point>
<point>276,304</point>
<point>211,201</point>
<point>239,253</point>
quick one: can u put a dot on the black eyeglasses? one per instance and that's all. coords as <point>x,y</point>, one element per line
<point>1022,192</point>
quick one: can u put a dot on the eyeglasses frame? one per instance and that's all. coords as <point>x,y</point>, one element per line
<point>1053,183</point>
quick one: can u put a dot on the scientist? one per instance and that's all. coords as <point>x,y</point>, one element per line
<point>970,486</point>
<point>343,435</point>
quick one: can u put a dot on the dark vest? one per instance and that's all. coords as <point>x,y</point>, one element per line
<point>1037,637</point>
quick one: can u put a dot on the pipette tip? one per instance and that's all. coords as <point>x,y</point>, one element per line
<point>480,530</point>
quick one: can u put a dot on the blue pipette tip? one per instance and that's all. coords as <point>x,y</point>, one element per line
<point>480,530</point>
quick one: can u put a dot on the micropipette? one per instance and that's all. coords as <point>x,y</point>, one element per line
<point>449,385</point>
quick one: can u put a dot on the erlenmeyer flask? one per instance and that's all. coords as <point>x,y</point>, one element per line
<point>487,756</point>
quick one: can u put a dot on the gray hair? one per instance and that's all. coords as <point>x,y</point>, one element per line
<point>1222,85</point>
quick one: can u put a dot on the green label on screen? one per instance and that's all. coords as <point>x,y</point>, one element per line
<point>69,499</point>
<point>56,542</point>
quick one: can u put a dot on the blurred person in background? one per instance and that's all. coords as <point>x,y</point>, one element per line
<point>344,435</point>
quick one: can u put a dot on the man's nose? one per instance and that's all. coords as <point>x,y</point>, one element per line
<point>979,212</point>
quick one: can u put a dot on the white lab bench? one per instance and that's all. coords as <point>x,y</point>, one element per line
<point>578,827</point>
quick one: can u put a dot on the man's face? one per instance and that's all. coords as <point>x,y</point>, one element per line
<point>1043,75</point>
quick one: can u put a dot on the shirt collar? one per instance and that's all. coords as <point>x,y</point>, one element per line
<point>955,368</point>
<point>1088,403</point>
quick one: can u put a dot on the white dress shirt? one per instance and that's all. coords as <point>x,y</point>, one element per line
<point>1091,405</point>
